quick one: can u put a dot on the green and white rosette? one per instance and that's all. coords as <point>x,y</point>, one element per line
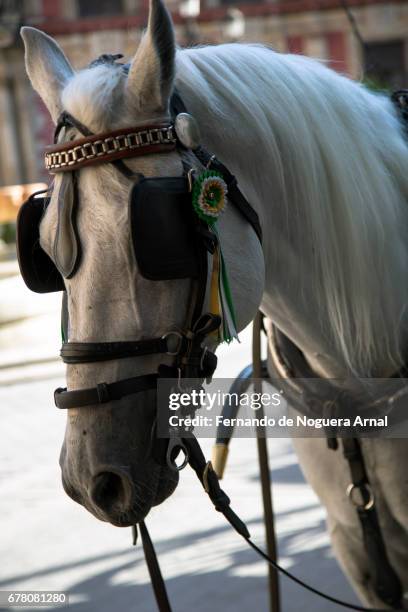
<point>209,195</point>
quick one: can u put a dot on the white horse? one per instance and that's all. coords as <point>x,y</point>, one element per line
<point>324,162</point>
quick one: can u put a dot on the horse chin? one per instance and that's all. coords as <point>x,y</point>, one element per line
<point>142,497</point>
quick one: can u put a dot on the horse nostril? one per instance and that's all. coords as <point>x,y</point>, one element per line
<point>112,492</point>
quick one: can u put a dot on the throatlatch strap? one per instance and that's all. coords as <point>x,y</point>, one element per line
<point>385,581</point>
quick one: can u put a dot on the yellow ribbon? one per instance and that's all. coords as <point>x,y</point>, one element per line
<point>215,305</point>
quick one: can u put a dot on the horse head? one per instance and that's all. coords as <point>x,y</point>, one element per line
<point>108,458</point>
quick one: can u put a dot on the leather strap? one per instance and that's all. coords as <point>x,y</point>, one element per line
<point>211,485</point>
<point>196,361</point>
<point>235,195</point>
<point>88,352</point>
<point>264,470</point>
<point>103,392</point>
<point>156,577</point>
<point>108,146</point>
<point>210,161</point>
<point>209,480</point>
<point>385,581</point>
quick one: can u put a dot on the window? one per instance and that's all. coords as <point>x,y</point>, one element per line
<point>96,8</point>
<point>385,65</point>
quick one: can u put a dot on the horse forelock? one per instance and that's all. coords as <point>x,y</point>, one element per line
<point>95,96</point>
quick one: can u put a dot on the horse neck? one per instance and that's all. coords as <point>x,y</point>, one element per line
<point>331,196</point>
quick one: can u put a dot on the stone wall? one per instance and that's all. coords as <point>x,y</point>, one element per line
<point>25,127</point>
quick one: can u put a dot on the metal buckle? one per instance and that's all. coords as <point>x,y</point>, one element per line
<point>103,393</point>
<point>179,337</point>
<point>363,506</point>
<point>169,135</point>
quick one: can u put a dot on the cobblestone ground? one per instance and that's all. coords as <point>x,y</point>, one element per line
<point>47,542</point>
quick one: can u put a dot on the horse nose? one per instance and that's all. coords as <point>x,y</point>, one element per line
<point>112,492</point>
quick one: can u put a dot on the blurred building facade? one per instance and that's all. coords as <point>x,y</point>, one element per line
<point>88,28</point>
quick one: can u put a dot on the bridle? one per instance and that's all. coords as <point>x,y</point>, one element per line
<point>191,359</point>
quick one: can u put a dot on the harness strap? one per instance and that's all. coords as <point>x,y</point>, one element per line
<point>210,161</point>
<point>106,146</point>
<point>156,577</point>
<point>221,501</point>
<point>103,392</point>
<point>386,584</point>
<point>211,485</point>
<point>264,470</point>
<point>200,363</point>
<point>88,352</point>
<point>385,581</point>
<point>234,193</point>
<point>195,361</point>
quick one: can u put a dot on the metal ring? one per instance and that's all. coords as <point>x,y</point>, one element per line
<point>176,444</point>
<point>364,506</point>
<point>179,337</point>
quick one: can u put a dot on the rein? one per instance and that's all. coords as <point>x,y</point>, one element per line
<point>191,360</point>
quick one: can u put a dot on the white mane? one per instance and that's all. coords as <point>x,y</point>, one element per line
<point>329,163</point>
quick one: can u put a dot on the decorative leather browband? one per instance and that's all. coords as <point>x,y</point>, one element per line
<point>106,147</point>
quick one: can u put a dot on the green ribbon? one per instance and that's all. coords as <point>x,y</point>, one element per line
<point>212,200</point>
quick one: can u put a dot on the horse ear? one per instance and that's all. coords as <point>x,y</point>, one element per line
<point>47,67</point>
<point>151,72</point>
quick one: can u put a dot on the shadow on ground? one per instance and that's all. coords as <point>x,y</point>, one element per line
<point>215,591</point>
